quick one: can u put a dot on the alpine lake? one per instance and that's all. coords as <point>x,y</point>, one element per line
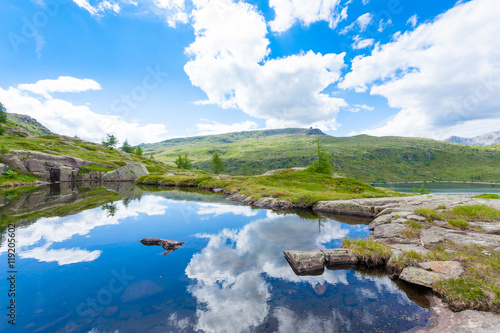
<point>79,266</point>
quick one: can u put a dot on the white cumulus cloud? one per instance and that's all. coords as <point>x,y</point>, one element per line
<point>360,43</point>
<point>66,118</point>
<point>218,128</point>
<point>229,64</point>
<point>288,12</point>
<point>61,84</point>
<point>361,22</point>
<point>443,76</point>
<point>99,8</point>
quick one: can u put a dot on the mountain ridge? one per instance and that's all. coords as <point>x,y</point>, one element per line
<point>487,139</point>
<point>371,159</point>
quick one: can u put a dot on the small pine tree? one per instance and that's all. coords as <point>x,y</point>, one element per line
<point>111,141</point>
<point>183,162</point>
<point>217,164</point>
<point>151,156</point>
<point>3,113</point>
<point>322,164</point>
<point>138,150</point>
<point>126,147</point>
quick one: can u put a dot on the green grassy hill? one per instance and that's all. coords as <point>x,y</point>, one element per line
<point>27,124</point>
<point>371,159</point>
<point>22,133</point>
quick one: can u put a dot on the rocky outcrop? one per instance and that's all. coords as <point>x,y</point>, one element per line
<point>303,262</point>
<point>128,172</point>
<point>375,207</point>
<point>431,272</point>
<point>3,168</point>
<point>466,321</point>
<point>434,235</point>
<point>449,268</point>
<point>61,168</point>
<point>312,262</point>
<point>421,276</point>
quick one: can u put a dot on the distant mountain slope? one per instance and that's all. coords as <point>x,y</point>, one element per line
<point>364,157</point>
<point>487,139</point>
<point>28,124</point>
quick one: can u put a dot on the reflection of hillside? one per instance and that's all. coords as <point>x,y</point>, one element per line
<point>62,200</point>
<point>197,195</point>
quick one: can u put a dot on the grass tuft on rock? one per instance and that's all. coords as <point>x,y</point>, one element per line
<point>465,213</point>
<point>459,224</point>
<point>370,252</point>
<point>478,288</point>
<point>412,229</point>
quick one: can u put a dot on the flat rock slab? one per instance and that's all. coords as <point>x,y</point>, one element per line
<point>409,247</point>
<point>339,257</point>
<point>348,207</point>
<point>382,206</point>
<point>306,261</point>
<point>435,235</point>
<point>451,268</point>
<point>468,321</point>
<point>488,227</point>
<point>421,276</point>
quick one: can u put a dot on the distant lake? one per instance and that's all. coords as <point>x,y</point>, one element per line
<point>444,187</point>
<point>87,272</point>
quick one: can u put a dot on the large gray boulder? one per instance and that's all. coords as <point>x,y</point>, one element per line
<point>450,268</point>
<point>128,172</point>
<point>349,207</point>
<point>421,276</point>
<point>3,168</point>
<point>339,257</point>
<point>306,261</point>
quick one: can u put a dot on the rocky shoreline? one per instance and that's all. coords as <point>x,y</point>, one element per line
<point>393,220</point>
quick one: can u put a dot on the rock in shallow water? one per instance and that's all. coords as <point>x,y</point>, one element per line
<point>306,261</point>
<point>339,257</point>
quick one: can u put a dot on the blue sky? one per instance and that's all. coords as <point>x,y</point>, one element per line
<point>149,70</point>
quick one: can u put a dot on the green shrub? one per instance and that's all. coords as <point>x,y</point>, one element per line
<point>10,174</point>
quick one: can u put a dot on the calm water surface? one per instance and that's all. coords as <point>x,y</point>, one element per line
<point>87,272</point>
<point>445,187</point>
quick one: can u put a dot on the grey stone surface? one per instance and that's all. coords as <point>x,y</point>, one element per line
<point>468,321</point>
<point>390,230</point>
<point>401,205</point>
<point>130,172</point>
<point>416,218</point>
<point>344,207</point>
<point>306,261</point>
<point>409,247</point>
<point>488,227</point>
<point>3,168</point>
<point>420,276</point>
<point>450,268</point>
<point>339,257</point>
<point>434,235</point>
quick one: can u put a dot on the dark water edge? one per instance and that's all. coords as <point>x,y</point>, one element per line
<point>230,275</point>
